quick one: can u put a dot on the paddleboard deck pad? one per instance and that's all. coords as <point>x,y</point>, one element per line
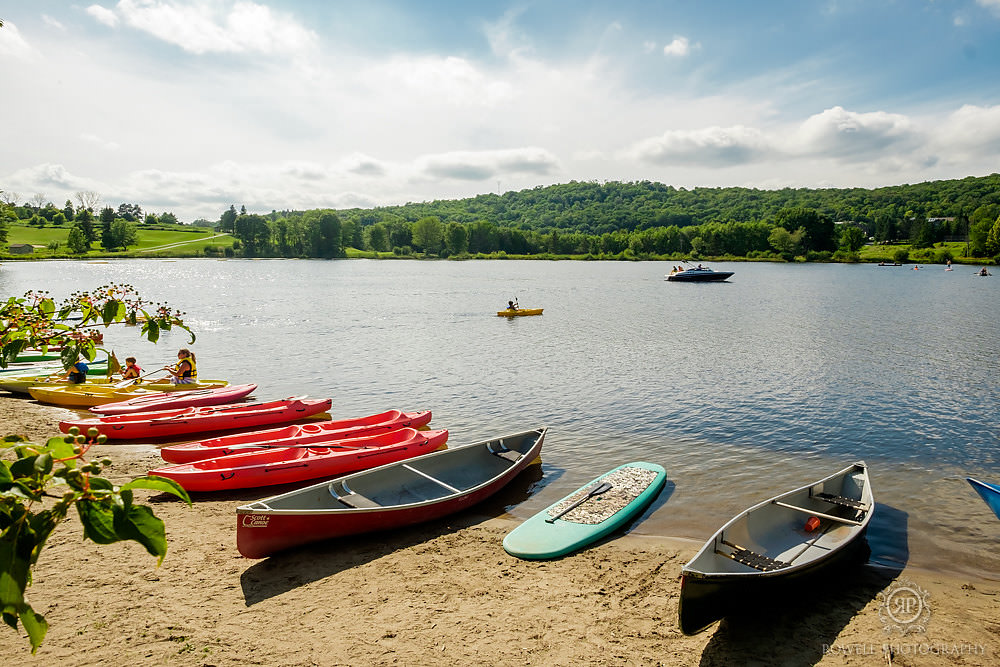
<point>556,532</point>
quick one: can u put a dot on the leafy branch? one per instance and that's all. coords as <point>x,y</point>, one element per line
<point>36,321</point>
<point>38,488</point>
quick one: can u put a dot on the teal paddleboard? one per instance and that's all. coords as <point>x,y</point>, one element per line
<point>591,512</point>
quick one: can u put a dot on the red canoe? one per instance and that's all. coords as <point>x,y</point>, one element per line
<point>283,465</point>
<point>167,400</point>
<point>298,434</point>
<point>167,423</point>
<point>390,496</point>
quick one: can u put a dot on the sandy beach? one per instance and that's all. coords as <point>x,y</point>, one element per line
<point>443,593</point>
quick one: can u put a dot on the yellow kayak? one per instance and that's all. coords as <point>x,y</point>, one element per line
<point>20,385</point>
<point>519,312</point>
<point>84,396</point>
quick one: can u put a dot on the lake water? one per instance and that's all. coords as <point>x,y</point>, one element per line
<point>741,389</point>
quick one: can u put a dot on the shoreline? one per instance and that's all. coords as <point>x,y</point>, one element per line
<point>441,593</point>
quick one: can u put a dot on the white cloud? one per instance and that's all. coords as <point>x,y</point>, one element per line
<point>49,21</point>
<point>839,133</point>
<point>711,146</point>
<point>482,165</point>
<point>103,15</point>
<point>49,179</point>
<point>99,142</point>
<point>363,165</point>
<point>436,80</point>
<point>199,28</point>
<point>679,47</point>
<point>13,45</point>
<point>993,5</point>
<point>971,130</point>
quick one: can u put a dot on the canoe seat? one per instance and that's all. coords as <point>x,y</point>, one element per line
<point>751,558</point>
<point>505,453</point>
<point>842,501</point>
<point>352,498</point>
<point>357,501</point>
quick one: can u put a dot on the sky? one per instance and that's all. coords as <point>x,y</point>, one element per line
<point>192,106</point>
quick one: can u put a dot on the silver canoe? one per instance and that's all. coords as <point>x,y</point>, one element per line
<point>771,545</point>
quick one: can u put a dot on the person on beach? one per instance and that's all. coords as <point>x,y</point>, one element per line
<point>77,373</point>
<point>185,371</point>
<point>132,370</point>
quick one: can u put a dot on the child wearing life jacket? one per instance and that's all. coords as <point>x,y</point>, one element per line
<point>132,370</point>
<point>185,371</point>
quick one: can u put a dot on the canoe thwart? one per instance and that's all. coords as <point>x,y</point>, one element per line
<point>831,517</point>
<point>841,500</point>
<point>751,558</point>
<point>449,487</point>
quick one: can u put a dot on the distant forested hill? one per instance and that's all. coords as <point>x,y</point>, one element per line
<point>600,208</point>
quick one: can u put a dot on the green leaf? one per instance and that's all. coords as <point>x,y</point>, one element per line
<point>23,467</point>
<point>101,484</point>
<point>43,464</point>
<point>60,449</point>
<point>138,523</point>
<point>110,311</point>
<point>157,483</point>
<point>47,307</point>
<point>5,476</point>
<point>34,624</point>
<point>151,330</point>
<point>13,570</point>
<point>98,521</point>
<point>69,355</point>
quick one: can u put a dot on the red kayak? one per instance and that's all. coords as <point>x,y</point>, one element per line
<point>299,434</point>
<point>283,465</point>
<point>167,400</point>
<point>166,423</point>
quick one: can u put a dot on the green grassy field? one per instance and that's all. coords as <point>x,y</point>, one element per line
<point>173,241</point>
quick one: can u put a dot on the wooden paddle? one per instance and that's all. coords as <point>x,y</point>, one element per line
<point>604,487</point>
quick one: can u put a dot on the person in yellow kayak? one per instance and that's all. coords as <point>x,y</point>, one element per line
<point>77,373</point>
<point>511,305</point>
<point>185,371</point>
<point>132,370</point>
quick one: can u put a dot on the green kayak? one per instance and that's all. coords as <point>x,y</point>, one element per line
<point>593,511</point>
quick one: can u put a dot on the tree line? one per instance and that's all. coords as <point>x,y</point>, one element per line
<point>642,219</point>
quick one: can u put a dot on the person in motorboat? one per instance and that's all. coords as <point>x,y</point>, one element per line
<point>185,371</point>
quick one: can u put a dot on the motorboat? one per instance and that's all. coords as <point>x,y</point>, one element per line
<point>698,274</point>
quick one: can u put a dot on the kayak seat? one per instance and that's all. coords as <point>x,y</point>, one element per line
<point>751,558</point>
<point>842,501</point>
